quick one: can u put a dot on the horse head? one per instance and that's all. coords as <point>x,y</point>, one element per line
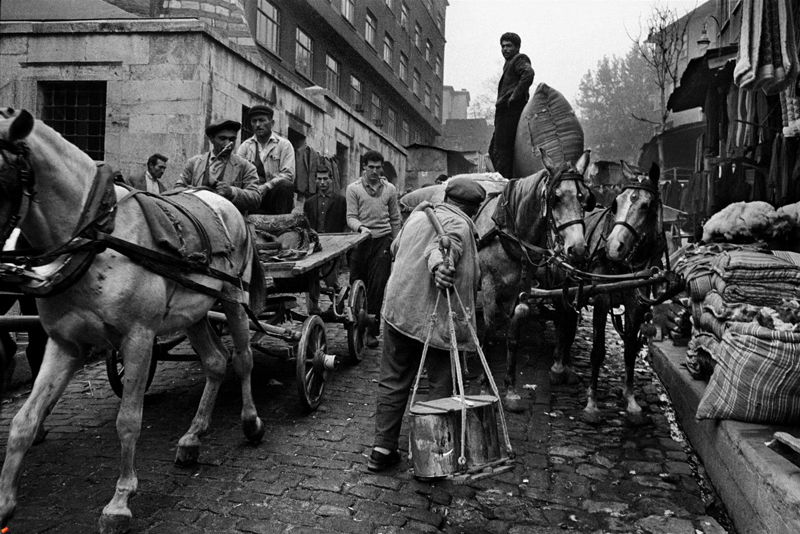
<point>566,198</point>
<point>637,213</point>
<point>16,176</point>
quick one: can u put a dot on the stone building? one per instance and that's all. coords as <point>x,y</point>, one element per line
<point>125,78</point>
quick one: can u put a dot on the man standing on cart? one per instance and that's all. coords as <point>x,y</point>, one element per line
<point>420,274</point>
<point>373,208</point>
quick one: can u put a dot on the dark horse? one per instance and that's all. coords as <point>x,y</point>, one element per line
<point>624,238</point>
<point>538,214</point>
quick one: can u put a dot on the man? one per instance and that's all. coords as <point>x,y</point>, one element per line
<point>512,95</point>
<point>273,158</point>
<point>372,208</point>
<point>419,273</point>
<point>221,170</point>
<point>326,212</point>
<point>150,180</point>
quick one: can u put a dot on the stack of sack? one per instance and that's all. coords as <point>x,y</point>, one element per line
<point>745,303</point>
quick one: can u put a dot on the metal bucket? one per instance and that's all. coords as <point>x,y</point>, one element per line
<point>435,435</point>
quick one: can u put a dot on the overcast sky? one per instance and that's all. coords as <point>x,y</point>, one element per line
<point>563,38</point>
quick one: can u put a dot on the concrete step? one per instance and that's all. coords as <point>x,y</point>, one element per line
<point>760,487</point>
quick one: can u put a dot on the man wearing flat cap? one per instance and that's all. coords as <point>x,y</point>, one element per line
<point>221,170</point>
<point>419,273</point>
<point>273,158</point>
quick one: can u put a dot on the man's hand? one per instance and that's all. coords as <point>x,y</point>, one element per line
<point>443,276</point>
<point>363,230</point>
<point>224,189</point>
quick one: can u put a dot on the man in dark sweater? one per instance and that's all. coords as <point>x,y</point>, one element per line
<point>512,95</point>
<point>326,212</point>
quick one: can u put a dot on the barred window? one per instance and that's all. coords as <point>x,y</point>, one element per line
<point>268,25</point>
<point>77,110</point>
<point>304,54</point>
<point>331,74</point>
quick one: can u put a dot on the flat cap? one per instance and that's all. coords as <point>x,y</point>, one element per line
<point>260,110</point>
<point>217,126</point>
<point>465,190</point>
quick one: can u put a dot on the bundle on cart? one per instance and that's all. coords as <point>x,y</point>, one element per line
<point>745,304</point>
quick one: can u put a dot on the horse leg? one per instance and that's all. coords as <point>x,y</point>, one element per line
<point>212,356</point>
<point>591,411</point>
<point>633,319</point>
<point>243,364</point>
<point>59,364</point>
<point>513,401</point>
<point>136,350</point>
<point>566,326</point>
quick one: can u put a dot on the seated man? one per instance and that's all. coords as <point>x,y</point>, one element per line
<point>326,213</point>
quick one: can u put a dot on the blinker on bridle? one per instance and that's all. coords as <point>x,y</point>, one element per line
<point>644,185</point>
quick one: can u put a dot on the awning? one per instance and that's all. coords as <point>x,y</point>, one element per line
<point>712,69</point>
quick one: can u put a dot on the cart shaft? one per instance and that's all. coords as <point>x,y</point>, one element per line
<point>277,331</point>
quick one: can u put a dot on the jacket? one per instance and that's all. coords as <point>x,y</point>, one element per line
<point>411,292</point>
<point>333,220</point>
<point>512,90</point>
<point>240,174</point>
<point>138,181</point>
<point>277,157</point>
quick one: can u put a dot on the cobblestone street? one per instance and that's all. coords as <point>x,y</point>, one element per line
<point>309,474</point>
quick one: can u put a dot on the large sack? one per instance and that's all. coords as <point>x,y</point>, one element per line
<point>491,182</point>
<point>547,122</point>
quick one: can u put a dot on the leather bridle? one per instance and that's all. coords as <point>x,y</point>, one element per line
<point>16,156</point>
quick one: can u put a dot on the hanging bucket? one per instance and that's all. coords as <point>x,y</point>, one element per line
<point>435,435</point>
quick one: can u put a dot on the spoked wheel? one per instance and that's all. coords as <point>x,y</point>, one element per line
<point>357,320</point>
<point>115,369</point>
<point>310,363</point>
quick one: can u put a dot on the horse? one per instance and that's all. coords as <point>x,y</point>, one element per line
<point>46,185</point>
<point>543,212</point>
<point>625,238</point>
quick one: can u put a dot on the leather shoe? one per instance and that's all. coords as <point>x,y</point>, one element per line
<point>371,341</point>
<point>379,461</point>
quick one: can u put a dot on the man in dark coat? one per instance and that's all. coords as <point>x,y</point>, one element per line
<point>150,180</point>
<point>512,95</point>
<point>326,212</point>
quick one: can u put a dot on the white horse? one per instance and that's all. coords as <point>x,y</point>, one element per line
<point>115,302</point>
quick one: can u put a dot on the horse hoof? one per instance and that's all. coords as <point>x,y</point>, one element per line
<point>254,430</point>
<point>187,455</point>
<point>513,403</point>
<point>114,524</point>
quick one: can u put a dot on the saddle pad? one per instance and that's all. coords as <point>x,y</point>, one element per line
<point>175,232</point>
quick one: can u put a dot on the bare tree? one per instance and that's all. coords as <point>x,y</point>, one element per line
<point>482,104</point>
<point>661,51</point>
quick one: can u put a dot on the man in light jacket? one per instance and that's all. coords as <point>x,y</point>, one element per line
<point>419,273</point>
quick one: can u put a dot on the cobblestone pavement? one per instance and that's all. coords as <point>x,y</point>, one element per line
<point>309,474</point>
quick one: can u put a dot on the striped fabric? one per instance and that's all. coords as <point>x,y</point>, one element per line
<point>757,377</point>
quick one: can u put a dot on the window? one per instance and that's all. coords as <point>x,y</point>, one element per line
<point>388,49</point>
<point>427,99</point>
<point>331,74</point>
<point>437,67</point>
<point>304,54</point>
<point>370,29</point>
<point>415,83</point>
<point>389,3</point>
<point>376,109</point>
<point>437,107</point>
<point>348,8</point>
<point>428,48</point>
<point>268,26</point>
<point>402,70</point>
<point>404,16</point>
<point>404,133</point>
<point>440,23</point>
<point>77,110</point>
<point>418,35</point>
<point>356,94</point>
<point>391,122</point>
<point>428,5</point>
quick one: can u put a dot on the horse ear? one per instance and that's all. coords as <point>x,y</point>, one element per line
<point>21,126</point>
<point>583,162</point>
<point>548,163</point>
<point>627,172</point>
<point>654,174</point>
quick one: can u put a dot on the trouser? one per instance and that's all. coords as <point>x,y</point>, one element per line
<point>371,261</point>
<point>399,365</point>
<point>37,338</point>
<point>329,273</point>
<point>278,200</point>
<point>505,135</point>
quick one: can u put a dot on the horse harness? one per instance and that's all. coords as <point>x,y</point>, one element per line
<point>92,236</point>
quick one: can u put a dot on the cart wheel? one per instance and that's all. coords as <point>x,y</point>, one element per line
<point>357,328</point>
<point>310,363</point>
<point>115,369</point>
